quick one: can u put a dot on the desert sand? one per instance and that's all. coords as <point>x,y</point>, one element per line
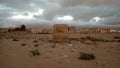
<point>16,47</point>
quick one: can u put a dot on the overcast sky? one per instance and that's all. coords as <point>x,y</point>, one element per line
<point>48,12</point>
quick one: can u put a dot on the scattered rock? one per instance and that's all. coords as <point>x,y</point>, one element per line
<point>70,45</point>
<point>65,56</point>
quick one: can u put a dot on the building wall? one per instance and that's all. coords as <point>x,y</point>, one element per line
<point>60,33</point>
<point>36,31</point>
<point>113,30</point>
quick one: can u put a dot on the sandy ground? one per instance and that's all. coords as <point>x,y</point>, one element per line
<point>62,55</point>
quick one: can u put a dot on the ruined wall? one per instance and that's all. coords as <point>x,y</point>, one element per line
<point>60,33</point>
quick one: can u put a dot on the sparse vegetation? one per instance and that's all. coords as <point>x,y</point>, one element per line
<point>35,52</point>
<point>9,30</point>
<point>53,46</point>
<point>93,39</point>
<point>35,41</point>
<point>86,56</point>
<point>119,41</point>
<point>36,45</point>
<point>50,41</point>
<point>16,29</point>
<point>72,51</point>
<point>38,48</point>
<point>15,39</point>
<point>23,44</point>
<point>23,27</point>
<point>116,37</point>
<point>75,39</point>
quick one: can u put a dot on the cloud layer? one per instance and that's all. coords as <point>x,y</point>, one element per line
<point>84,12</point>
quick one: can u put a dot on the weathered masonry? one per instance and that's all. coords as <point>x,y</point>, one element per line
<point>60,33</point>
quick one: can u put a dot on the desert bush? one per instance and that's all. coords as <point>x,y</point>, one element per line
<point>23,44</point>
<point>35,41</point>
<point>16,29</point>
<point>118,41</point>
<point>88,38</point>
<point>83,39</point>
<point>9,30</point>
<point>15,39</point>
<point>72,51</point>
<point>50,41</point>
<point>36,45</point>
<point>74,39</point>
<point>53,46</point>
<point>23,27</point>
<point>35,52</point>
<point>93,39</point>
<point>86,56</point>
<point>116,37</point>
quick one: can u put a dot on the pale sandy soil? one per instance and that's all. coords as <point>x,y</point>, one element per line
<point>14,55</point>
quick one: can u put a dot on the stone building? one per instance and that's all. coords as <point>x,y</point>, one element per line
<point>60,33</point>
<point>103,30</point>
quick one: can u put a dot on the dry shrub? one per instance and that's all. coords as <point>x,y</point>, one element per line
<point>35,52</point>
<point>86,56</point>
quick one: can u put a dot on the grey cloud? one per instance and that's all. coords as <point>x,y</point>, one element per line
<point>86,13</point>
<point>51,10</point>
<point>110,20</point>
<point>26,4</point>
<point>90,2</point>
<point>82,11</point>
<point>17,4</point>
